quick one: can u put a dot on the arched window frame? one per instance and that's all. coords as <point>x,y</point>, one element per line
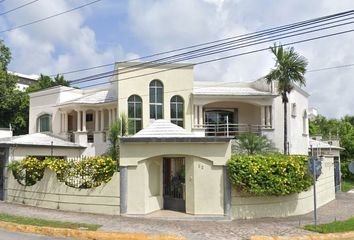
<point>177,110</point>
<point>135,114</point>
<point>44,122</point>
<point>156,99</point>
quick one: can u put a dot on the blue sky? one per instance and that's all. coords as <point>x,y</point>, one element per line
<point>112,30</point>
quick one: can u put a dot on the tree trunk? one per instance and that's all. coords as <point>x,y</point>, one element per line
<point>285,127</point>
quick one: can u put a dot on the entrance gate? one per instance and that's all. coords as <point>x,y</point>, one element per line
<point>174,184</point>
<point>336,174</point>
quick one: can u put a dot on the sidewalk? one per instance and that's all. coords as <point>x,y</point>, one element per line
<point>339,209</point>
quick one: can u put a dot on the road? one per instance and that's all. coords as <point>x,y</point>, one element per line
<point>8,235</point>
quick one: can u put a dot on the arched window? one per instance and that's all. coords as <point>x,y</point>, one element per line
<point>156,99</point>
<point>134,114</point>
<point>177,110</point>
<point>44,123</point>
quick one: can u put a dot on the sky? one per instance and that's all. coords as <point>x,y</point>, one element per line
<point>112,30</point>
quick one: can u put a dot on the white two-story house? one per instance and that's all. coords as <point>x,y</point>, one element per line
<point>169,92</point>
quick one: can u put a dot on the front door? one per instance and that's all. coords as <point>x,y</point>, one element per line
<point>174,184</point>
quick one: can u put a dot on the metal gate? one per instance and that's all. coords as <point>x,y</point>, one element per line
<point>336,174</point>
<point>174,184</point>
<point>2,169</point>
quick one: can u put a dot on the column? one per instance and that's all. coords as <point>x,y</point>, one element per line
<point>195,115</point>
<point>78,120</point>
<point>123,182</point>
<point>65,122</point>
<point>102,120</point>
<point>262,115</point>
<point>109,118</point>
<point>61,123</point>
<point>268,112</point>
<point>227,193</point>
<point>96,121</point>
<point>201,115</point>
<point>84,120</point>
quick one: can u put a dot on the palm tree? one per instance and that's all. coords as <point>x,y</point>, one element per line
<point>118,128</point>
<point>289,70</point>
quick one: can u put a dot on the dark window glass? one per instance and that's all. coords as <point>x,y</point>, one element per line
<point>45,123</point>
<point>156,99</point>
<point>134,114</point>
<point>177,110</point>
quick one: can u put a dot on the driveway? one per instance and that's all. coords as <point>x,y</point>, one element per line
<point>8,235</point>
<point>341,208</point>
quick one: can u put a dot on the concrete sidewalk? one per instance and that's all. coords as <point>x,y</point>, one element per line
<point>339,209</point>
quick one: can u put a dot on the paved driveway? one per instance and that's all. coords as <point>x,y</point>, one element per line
<point>24,236</point>
<point>341,208</point>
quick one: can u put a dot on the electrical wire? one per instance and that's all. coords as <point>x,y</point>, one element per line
<point>19,7</point>
<point>297,24</point>
<point>49,17</point>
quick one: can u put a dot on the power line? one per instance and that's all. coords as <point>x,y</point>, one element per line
<point>19,7</point>
<point>49,17</point>
<point>330,68</point>
<point>301,23</point>
<point>213,60</point>
<point>207,53</point>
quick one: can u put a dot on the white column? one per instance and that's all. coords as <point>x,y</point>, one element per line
<point>109,118</point>
<point>78,120</point>
<point>96,121</point>
<point>61,122</point>
<point>201,115</point>
<point>268,116</point>
<point>84,120</point>
<point>195,114</point>
<point>102,120</point>
<point>262,115</point>
<point>65,122</point>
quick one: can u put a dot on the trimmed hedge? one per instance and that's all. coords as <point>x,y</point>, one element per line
<point>274,174</point>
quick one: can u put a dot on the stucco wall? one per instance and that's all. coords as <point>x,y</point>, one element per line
<point>50,193</point>
<point>244,206</point>
<point>175,82</point>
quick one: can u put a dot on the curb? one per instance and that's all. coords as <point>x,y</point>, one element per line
<point>327,236</point>
<point>80,234</point>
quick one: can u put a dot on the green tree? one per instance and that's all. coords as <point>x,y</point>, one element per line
<point>254,144</point>
<point>289,70</point>
<point>118,128</point>
<point>45,81</point>
<point>5,56</point>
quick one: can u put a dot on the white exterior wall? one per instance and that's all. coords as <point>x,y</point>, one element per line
<point>175,82</point>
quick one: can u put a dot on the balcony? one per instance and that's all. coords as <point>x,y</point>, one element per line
<point>230,129</point>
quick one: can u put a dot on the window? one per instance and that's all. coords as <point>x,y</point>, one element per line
<point>89,117</point>
<point>44,123</point>
<point>304,123</point>
<point>134,114</point>
<point>156,99</point>
<point>293,110</point>
<point>177,110</point>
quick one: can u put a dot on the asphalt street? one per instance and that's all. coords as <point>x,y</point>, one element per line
<point>8,235</point>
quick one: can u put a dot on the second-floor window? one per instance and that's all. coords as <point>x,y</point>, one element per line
<point>177,112</point>
<point>134,114</point>
<point>156,99</point>
<point>45,123</point>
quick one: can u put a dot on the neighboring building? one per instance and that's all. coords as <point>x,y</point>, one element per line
<point>24,81</point>
<point>169,92</point>
<point>313,113</point>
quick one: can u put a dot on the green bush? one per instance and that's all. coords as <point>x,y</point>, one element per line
<point>273,174</point>
<point>84,173</point>
<point>345,171</point>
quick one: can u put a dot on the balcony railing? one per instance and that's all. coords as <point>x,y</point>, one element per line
<point>231,129</point>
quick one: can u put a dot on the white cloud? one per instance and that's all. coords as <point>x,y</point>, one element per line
<point>163,25</point>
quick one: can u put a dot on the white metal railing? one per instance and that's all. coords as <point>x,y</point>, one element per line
<point>231,129</point>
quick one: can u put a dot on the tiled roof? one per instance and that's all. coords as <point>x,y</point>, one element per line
<point>163,129</point>
<point>37,139</point>
<point>104,96</point>
<point>229,91</point>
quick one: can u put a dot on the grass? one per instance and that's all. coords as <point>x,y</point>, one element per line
<point>347,185</point>
<point>334,227</point>
<point>47,223</point>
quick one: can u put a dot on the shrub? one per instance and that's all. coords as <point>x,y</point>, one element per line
<point>346,174</point>
<point>273,174</point>
<point>84,173</point>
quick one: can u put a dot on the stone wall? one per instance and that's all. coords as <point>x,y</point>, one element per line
<point>50,193</point>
